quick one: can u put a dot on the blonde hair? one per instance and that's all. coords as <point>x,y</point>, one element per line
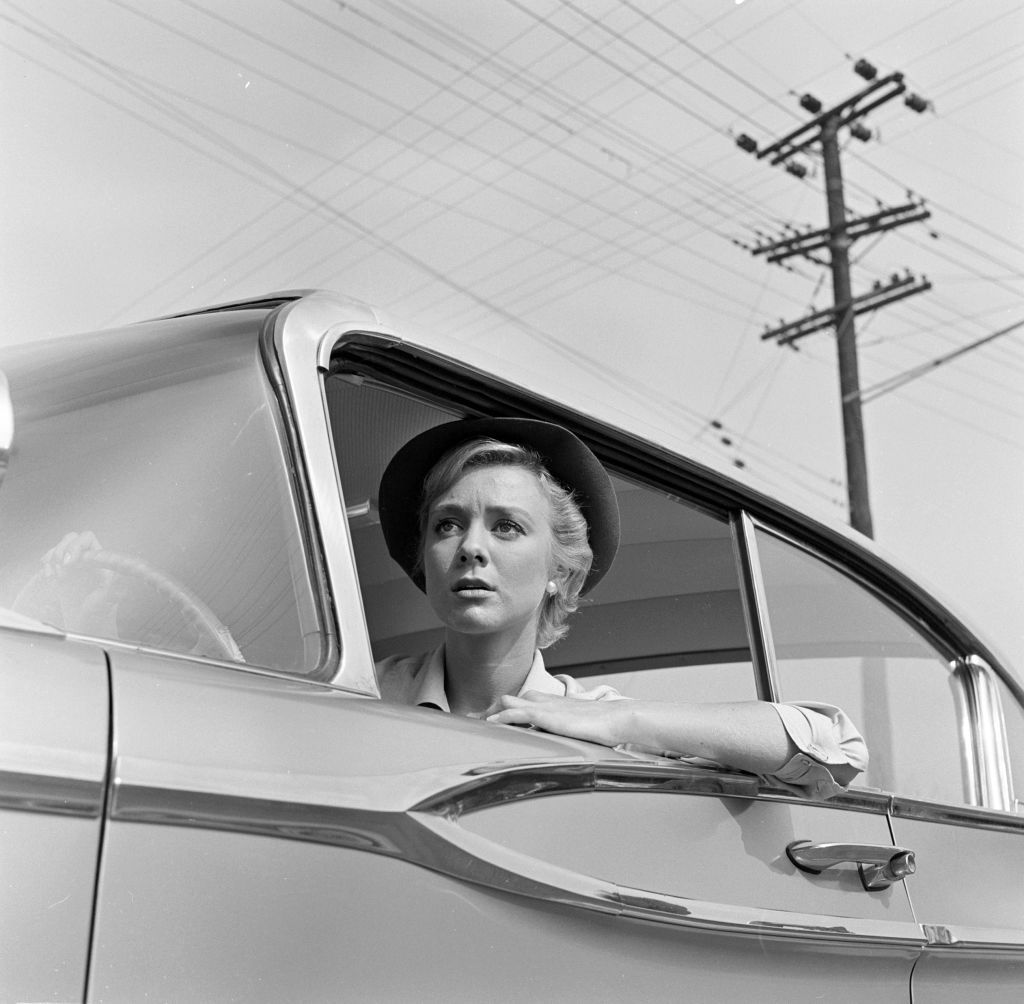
<point>570,550</point>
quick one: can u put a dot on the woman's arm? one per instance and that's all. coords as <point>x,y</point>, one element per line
<point>812,749</point>
<point>747,735</point>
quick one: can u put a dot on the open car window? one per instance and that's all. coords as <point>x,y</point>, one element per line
<point>667,621</point>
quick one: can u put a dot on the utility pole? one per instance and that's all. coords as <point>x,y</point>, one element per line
<point>841,232</point>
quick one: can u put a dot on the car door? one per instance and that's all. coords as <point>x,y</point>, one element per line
<point>54,738</point>
<point>700,856</point>
<point>936,723</point>
<point>277,839</point>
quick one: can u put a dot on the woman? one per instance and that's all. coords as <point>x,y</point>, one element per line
<point>504,524</point>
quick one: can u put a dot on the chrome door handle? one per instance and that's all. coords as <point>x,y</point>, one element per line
<point>879,864</point>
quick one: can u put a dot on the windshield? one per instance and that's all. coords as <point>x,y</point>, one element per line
<point>147,498</point>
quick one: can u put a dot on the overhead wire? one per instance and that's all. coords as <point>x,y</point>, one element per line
<point>598,369</point>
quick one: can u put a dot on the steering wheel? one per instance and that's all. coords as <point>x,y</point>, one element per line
<point>207,625</point>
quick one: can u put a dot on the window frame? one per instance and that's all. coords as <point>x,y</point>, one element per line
<point>359,344</point>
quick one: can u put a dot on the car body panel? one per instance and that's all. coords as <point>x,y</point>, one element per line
<point>54,735</point>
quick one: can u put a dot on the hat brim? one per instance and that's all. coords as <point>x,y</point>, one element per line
<point>569,460</point>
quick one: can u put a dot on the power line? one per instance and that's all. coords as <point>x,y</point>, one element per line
<point>892,383</point>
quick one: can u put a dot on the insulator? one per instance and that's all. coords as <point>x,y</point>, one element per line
<point>860,131</point>
<point>864,69</point>
<point>797,170</point>
<point>916,103</point>
<point>747,143</point>
<point>811,103</point>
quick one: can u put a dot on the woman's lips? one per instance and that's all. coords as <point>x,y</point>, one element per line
<point>472,586</point>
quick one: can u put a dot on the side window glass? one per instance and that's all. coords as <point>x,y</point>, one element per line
<point>667,622</point>
<point>836,641</point>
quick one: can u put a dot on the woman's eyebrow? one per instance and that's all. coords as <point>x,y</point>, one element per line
<point>445,507</point>
<point>502,509</point>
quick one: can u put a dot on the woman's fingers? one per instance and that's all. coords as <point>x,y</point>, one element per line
<point>567,716</point>
<point>70,549</point>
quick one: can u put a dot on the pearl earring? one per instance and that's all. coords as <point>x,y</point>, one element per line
<point>552,587</point>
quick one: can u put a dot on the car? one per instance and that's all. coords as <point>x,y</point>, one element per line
<point>204,797</point>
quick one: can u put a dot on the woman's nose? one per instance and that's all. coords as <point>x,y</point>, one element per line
<point>472,548</point>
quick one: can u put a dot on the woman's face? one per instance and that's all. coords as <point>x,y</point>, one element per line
<point>487,551</point>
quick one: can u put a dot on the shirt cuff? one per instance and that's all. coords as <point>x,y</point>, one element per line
<point>831,752</point>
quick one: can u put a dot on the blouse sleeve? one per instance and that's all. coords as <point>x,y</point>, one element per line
<point>830,750</point>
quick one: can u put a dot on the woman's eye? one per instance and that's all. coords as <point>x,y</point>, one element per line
<point>508,528</point>
<point>445,526</point>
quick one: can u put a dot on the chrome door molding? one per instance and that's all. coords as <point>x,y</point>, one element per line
<point>420,825</point>
<point>1001,942</point>
<point>55,794</point>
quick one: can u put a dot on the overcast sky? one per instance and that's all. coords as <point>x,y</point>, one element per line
<point>546,177</point>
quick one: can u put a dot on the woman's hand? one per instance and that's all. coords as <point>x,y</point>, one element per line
<point>605,722</point>
<point>86,594</point>
<point>70,550</point>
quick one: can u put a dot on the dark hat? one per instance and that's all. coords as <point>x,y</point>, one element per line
<point>568,459</point>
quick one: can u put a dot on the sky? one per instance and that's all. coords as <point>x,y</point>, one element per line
<point>560,179</point>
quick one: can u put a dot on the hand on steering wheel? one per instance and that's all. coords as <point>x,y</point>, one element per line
<point>91,581</point>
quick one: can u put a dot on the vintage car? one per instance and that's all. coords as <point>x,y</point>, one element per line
<point>203,797</point>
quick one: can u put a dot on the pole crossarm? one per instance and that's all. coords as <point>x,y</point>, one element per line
<point>840,115</point>
<point>886,219</point>
<point>880,296</point>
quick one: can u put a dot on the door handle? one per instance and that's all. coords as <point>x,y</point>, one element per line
<point>879,864</point>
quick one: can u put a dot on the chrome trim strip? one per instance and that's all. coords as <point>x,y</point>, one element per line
<point>1002,940</point>
<point>511,871</point>
<point>958,815</point>
<point>55,795</point>
<point>990,742</point>
<point>509,784</point>
<point>6,424</point>
<point>755,607</point>
<point>965,701</point>
<point>435,841</point>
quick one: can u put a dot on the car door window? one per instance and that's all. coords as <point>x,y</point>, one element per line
<point>835,640</point>
<point>667,622</point>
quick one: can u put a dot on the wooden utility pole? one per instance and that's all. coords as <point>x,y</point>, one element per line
<point>824,129</point>
<point>846,335</point>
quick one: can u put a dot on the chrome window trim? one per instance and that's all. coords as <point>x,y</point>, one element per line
<point>755,606</point>
<point>305,334</point>
<point>6,424</point>
<point>988,733</point>
<point>976,817</point>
